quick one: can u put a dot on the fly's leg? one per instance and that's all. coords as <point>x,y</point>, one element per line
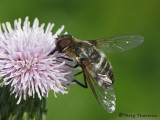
<point>52,52</point>
<point>77,65</point>
<point>84,75</point>
<point>79,83</point>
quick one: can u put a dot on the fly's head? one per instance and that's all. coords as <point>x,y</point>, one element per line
<point>63,42</point>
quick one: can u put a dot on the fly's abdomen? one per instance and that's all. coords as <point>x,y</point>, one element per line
<point>107,70</point>
<point>103,69</point>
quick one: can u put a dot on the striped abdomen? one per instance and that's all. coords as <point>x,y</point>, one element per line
<point>97,64</point>
<point>102,67</point>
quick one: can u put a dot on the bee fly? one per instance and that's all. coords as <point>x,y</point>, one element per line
<point>95,66</point>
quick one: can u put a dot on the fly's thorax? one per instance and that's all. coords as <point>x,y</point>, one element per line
<point>81,50</point>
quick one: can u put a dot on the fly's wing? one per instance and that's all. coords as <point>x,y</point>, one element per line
<point>106,97</point>
<point>119,43</point>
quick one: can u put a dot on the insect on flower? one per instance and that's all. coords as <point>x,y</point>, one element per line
<point>25,64</point>
<point>95,66</point>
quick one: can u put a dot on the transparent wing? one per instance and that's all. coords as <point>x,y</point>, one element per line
<point>106,97</point>
<point>119,43</point>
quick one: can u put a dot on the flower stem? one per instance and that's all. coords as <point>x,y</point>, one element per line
<point>29,109</point>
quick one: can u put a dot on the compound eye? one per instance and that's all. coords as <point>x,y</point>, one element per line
<point>64,43</point>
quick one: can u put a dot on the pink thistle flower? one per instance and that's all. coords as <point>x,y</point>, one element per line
<point>25,64</point>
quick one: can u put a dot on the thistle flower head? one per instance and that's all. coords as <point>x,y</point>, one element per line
<point>24,60</point>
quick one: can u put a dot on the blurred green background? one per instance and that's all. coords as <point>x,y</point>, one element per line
<point>137,81</point>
